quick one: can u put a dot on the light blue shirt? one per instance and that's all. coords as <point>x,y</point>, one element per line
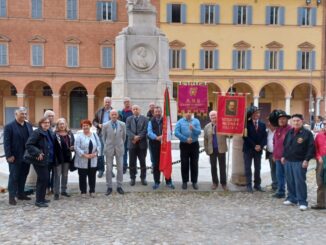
<point>150,132</point>
<point>106,116</point>
<point>182,131</point>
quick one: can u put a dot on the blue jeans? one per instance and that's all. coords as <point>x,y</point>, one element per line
<point>18,172</point>
<point>248,156</point>
<point>280,175</point>
<point>296,182</point>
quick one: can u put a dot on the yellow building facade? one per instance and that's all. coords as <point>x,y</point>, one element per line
<point>270,49</point>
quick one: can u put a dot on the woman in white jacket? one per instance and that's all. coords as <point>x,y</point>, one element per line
<point>87,147</point>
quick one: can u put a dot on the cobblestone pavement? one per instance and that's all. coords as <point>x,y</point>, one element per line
<point>165,217</point>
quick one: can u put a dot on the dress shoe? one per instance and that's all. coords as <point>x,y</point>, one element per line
<point>317,207</point>
<point>12,201</point>
<point>279,195</point>
<point>46,201</point>
<point>184,185</point>
<point>249,189</point>
<point>108,192</point>
<point>41,205</point>
<point>56,197</point>
<point>195,186</point>
<point>65,194</point>
<point>225,188</point>
<point>214,186</point>
<point>124,170</point>
<point>24,198</point>
<point>170,185</point>
<point>144,182</point>
<point>120,191</point>
<point>132,182</point>
<point>258,188</point>
<point>100,174</point>
<point>156,186</point>
<point>92,195</point>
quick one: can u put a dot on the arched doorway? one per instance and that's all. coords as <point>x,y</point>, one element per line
<point>244,88</point>
<point>8,102</point>
<point>78,106</point>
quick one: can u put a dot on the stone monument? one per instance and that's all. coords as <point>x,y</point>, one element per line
<point>141,60</point>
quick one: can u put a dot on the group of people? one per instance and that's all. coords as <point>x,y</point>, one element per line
<point>53,149</point>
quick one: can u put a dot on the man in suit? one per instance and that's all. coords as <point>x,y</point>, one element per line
<point>215,147</point>
<point>114,135</point>
<point>253,147</point>
<point>16,134</point>
<point>137,144</point>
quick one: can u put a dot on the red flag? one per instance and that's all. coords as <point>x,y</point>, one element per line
<point>166,153</point>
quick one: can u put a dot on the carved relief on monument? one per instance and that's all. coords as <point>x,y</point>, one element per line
<point>142,57</point>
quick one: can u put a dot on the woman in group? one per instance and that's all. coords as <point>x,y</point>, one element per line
<point>40,153</point>
<point>87,147</point>
<point>64,145</point>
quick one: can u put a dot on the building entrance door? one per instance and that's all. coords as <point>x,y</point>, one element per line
<point>78,106</point>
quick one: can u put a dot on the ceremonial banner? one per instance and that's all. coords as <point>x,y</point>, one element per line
<point>192,98</point>
<point>166,153</point>
<point>231,114</point>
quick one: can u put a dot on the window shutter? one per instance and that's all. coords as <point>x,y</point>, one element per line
<point>282,15</point>
<point>202,59</point>
<point>74,9</point>
<point>39,55</point>
<point>249,15</point>
<point>248,60</point>
<point>99,11</point>
<point>3,54</point>
<point>313,16</point>
<point>267,59</point>
<point>183,59</point>
<point>299,60</point>
<point>3,8</point>
<point>217,14</point>
<point>69,9</point>
<point>183,13</point>
<point>170,58</point>
<point>234,59</point>
<point>313,60</point>
<point>169,13</point>
<point>34,55</point>
<point>202,13</point>
<point>216,56</point>
<point>34,2</point>
<point>300,15</point>
<point>70,54</point>
<point>114,10</point>
<point>268,15</point>
<point>281,60</point>
<point>75,56</point>
<point>235,15</point>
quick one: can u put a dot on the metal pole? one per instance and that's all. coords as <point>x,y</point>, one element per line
<point>228,157</point>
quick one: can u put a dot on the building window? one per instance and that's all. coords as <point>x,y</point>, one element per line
<point>175,91</point>
<point>208,59</point>
<point>3,54</point>
<point>13,91</point>
<point>242,59</point>
<point>274,60</point>
<point>177,58</point>
<point>72,9</point>
<point>3,8</point>
<point>37,55</point>
<point>106,10</point>
<point>109,91</point>
<point>242,15</point>
<point>275,15</point>
<point>47,91</point>
<point>107,57</point>
<point>209,14</point>
<point>307,16</point>
<point>37,9</point>
<point>72,56</point>
<point>306,60</point>
<point>176,13</point>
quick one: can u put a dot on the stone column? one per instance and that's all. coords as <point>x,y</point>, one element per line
<point>288,105</point>
<point>90,107</point>
<point>318,99</point>
<point>56,105</point>
<point>238,176</point>
<point>20,99</point>
<point>256,101</point>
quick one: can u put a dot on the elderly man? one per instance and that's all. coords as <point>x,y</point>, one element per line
<point>298,149</point>
<point>253,147</point>
<point>114,135</point>
<point>215,147</point>
<point>320,143</point>
<point>187,130</point>
<point>16,134</point>
<point>137,144</point>
<point>123,115</point>
<point>102,116</point>
<point>50,115</point>
<point>154,133</point>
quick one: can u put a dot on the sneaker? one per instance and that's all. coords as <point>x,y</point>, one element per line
<point>303,207</point>
<point>279,195</point>
<point>170,185</point>
<point>41,205</point>
<point>288,203</point>
<point>156,186</point>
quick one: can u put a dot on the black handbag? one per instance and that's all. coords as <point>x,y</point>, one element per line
<point>28,158</point>
<point>72,167</point>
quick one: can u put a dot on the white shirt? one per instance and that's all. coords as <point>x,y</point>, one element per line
<point>270,136</point>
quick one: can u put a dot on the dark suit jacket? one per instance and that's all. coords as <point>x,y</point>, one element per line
<point>255,137</point>
<point>141,130</point>
<point>12,140</point>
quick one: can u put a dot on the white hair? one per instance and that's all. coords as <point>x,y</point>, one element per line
<point>20,109</point>
<point>48,112</point>
<point>212,112</point>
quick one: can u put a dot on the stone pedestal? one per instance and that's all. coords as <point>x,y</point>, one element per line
<point>142,61</point>
<point>238,174</point>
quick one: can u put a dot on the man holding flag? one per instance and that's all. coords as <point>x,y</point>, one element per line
<point>156,130</point>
